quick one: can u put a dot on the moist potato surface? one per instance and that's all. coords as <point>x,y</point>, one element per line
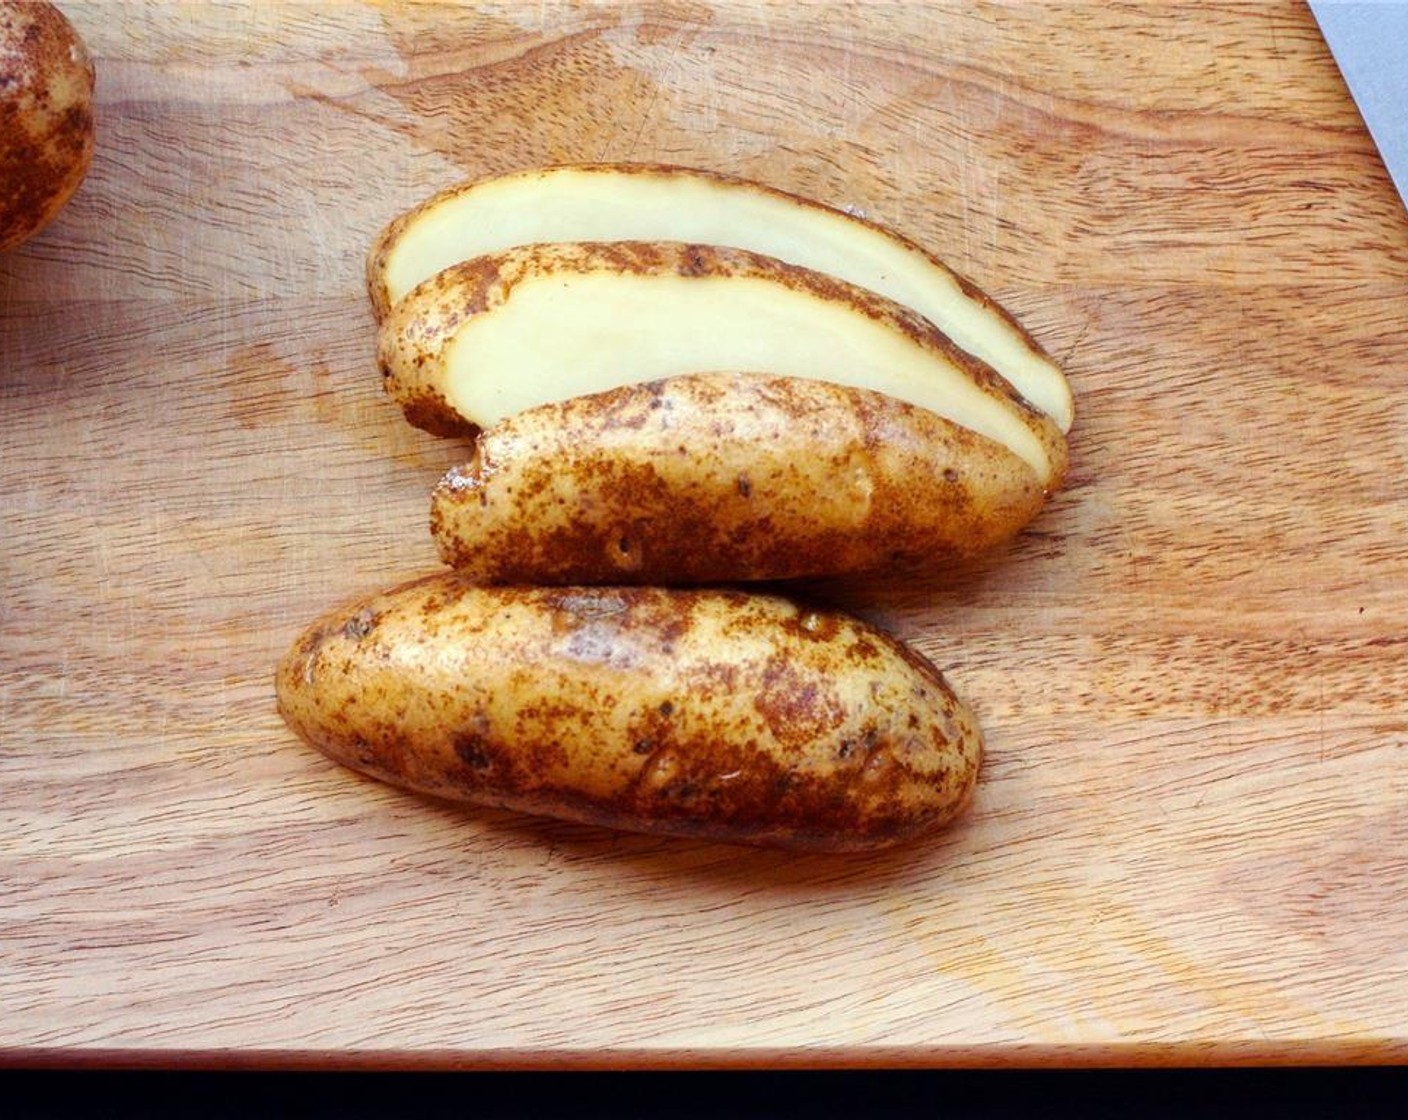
<point>713,713</point>
<point>725,477</point>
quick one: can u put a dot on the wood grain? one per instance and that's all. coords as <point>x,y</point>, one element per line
<point>1191,833</point>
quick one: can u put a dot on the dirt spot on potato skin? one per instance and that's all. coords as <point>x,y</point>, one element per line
<point>428,410</point>
<point>798,708</point>
<point>362,623</point>
<point>472,749</point>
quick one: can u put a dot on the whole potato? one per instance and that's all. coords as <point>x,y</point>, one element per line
<point>710,713</point>
<point>46,117</point>
<point>725,477</point>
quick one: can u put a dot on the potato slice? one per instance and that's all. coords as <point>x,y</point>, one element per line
<point>499,334</point>
<point>624,202</point>
<point>780,478</point>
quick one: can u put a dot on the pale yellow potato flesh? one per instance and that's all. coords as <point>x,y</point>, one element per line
<point>609,203</point>
<point>491,337</point>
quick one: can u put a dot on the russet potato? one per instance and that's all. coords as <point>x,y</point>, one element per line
<point>46,117</point>
<point>737,717</point>
<point>653,202</point>
<point>725,477</point>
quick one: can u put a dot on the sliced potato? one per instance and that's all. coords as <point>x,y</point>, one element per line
<point>490,337</point>
<point>722,477</point>
<point>621,202</point>
<point>742,718</point>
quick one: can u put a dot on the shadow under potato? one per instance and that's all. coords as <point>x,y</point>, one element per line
<point>649,856</point>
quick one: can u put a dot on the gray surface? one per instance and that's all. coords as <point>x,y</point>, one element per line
<point>1370,44</point>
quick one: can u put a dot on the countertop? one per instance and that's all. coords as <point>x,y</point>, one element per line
<point>1190,841</point>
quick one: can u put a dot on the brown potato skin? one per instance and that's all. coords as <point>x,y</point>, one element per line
<point>703,713</point>
<point>726,478</point>
<point>412,339</point>
<point>46,117</point>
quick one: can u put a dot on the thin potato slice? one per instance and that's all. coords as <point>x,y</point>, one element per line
<point>718,714</point>
<point>725,477</point>
<point>633,202</point>
<point>491,337</point>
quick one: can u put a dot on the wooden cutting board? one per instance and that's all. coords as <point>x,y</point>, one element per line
<point>1190,842</point>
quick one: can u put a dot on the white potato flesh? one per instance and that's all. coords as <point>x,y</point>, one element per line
<point>563,335</point>
<point>626,203</point>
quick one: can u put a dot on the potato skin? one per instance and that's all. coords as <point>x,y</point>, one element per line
<point>724,478</point>
<point>46,117</point>
<point>707,713</point>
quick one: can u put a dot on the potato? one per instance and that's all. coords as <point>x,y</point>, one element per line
<point>640,202</point>
<point>46,117</point>
<point>725,477</point>
<point>502,333</point>
<point>706,713</point>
